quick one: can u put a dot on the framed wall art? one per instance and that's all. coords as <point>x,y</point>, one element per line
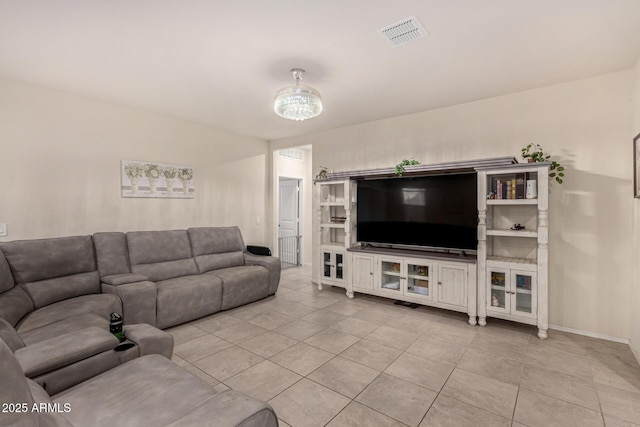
<point>156,180</point>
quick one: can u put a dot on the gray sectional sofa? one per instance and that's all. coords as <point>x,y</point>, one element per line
<point>49,287</point>
<point>56,296</point>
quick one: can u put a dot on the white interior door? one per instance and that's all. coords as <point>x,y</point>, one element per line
<point>289,220</point>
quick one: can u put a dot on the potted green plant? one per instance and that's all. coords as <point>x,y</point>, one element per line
<point>535,153</point>
<point>323,172</point>
<point>400,166</point>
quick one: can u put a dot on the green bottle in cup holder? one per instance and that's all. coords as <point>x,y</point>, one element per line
<point>115,326</point>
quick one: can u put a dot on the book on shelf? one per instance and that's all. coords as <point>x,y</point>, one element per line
<point>510,188</point>
<point>521,185</point>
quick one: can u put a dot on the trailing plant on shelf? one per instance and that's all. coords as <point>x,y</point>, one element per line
<point>323,172</point>
<point>535,153</point>
<point>400,166</point>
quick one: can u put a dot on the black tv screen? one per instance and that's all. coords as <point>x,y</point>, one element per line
<point>438,211</point>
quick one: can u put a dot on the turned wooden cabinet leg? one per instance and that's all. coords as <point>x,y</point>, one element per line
<point>472,320</point>
<point>482,321</point>
<point>350,294</point>
<point>319,286</point>
<point>542,334</point>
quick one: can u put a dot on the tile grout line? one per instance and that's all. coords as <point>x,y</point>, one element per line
<point>311,296</point>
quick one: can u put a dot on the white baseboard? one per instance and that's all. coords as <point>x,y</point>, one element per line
<point>590,334</point>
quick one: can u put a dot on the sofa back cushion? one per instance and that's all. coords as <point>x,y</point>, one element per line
<point>160,255</point>
<point>14,305</point>
<point>40,259</point>
<point>215,240</point>
<point>52,270</point>
<point>45,292</point>
<point>216,247</point>
<point>217,261</point>
<point>111,253</point>
<point>6,279</point>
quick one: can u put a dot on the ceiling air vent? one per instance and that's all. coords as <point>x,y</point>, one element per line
<point>403,32</point>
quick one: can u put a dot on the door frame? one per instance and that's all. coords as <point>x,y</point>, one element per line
<point>300,179</point>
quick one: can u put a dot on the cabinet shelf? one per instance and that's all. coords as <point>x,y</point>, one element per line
<point>512,201</point>
<point>417,277</point>
<point>511,260</point>
<point>336,245</point>
<point>333,225</point>
<point>391,273</point>
<point>512,233</point>
<point>332,204</point>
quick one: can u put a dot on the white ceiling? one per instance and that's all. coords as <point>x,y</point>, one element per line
<point>220,62</point>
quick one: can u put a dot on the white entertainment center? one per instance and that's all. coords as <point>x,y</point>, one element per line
<point>505,278</point>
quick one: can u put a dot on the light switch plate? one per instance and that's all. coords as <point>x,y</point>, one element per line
<point>3,230</point>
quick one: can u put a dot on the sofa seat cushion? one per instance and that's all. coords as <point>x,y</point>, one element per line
<point>64,350</point>
<point>100,304</point>
<point>242,285</point>
<point>187,298</point>
<point>67,325</point>
<point>231,408</point>
<point>149,391</point>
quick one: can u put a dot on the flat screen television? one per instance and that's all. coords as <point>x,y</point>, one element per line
<point>434,211</point>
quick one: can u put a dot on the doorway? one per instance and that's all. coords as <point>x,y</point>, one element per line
<point>289,213</point>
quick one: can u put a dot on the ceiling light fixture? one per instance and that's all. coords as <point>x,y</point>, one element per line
<point>298,102</point>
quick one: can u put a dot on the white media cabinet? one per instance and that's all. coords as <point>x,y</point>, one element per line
<point>506,279</point>
<point>434,279</point>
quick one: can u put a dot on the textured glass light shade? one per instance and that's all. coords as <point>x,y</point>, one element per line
<point>298,102</point>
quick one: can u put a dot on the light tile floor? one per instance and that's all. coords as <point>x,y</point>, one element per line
<point>320,358</point>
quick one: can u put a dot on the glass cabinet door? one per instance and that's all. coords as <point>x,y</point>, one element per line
<point>523,293</point>
<point>326,265</point>
<point>339,266</point>
<point>390,277</point>
<point>419,280</point>
<point>498,290</point>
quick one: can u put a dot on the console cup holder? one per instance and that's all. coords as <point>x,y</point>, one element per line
<point>124,346</point>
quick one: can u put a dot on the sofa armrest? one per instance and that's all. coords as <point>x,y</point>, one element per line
<point>230,408</point>
<point>54,353</point>
<point>150,339</point>
<point>271,263</point>
<point>123,279</point>
<point>138,301</point>
<point>9,335</point>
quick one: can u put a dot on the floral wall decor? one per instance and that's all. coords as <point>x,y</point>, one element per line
<point>157,180</point>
